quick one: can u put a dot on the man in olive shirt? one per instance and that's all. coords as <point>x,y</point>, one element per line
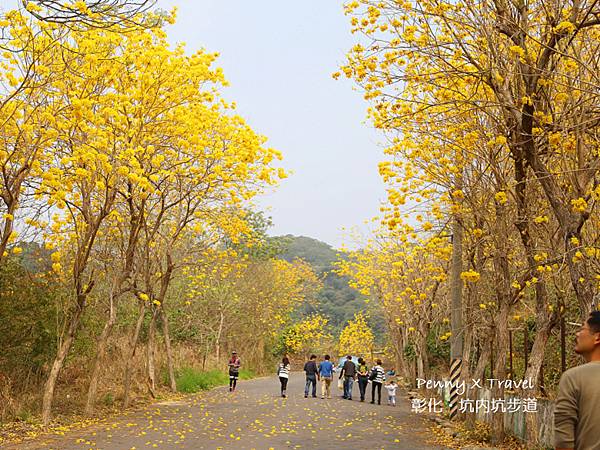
<point>577,408</point>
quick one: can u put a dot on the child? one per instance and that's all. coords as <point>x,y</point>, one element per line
<point>391,388</point>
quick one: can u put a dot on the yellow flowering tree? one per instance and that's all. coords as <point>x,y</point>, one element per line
<point>306,336</point>
<point>248,302</point>
<point>28,108</point>
<point>357,338</point>
<point>407,281</point>
<point>423,67</point>
<point>484,108</point>
<point>137,156</point>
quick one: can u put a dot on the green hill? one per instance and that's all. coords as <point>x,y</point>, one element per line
<point>337,300</point>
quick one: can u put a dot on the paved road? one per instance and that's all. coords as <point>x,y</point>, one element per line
<point>254,417</point>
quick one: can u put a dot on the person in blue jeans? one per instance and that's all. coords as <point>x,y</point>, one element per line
<point>312,374</point>
<point>326,374</point>
<point>363,377</point>
<point>349,373</point>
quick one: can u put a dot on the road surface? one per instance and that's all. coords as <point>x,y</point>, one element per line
<point>254,417</point>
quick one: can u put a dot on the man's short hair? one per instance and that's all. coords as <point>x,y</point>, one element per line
<point>349,357</point>
<point>594,321</point>
<point>327,357</point>
<point>313,356</point>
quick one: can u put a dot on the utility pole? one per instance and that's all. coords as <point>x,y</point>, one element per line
<point>456,323</point>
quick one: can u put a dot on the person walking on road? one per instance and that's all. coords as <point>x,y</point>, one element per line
<point>312,374</point>
<point>363,377</point>
<point>234,370</point>
<point>326,374</point>
<point>377,377</point>
<point>391,388</point>
<point>283,372</point>
<point>349,373</point>
<point>576,419</point>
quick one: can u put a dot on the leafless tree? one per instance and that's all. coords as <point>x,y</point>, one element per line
<point>99,14</point>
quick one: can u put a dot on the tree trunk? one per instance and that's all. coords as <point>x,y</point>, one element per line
<point>503,302</point>
<point>570,225</point>
<point>260,352</point>
<point>165,327</point>
<point>408,372</point>
<point>421,353</point>
<point>99,359</point>
<point>115,294</point>
<point>218,339</point>
<point>478,373</point>
<point>58,363</point>
<point>420,368</point>
<point>132,347</point>
<point>484,357</point>
<point>206,351</point>
<point>465,372</point>
<point>536,360</point>
<point>11,204</point>
<point>544,321</point>
<point>150,347</point>
<point>500,371</point>
<point>536,357</point>
<point>401,365</point>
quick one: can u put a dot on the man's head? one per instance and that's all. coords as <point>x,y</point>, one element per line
<point>349,357</point>
<point>587,339</point>
<point>234,353</point>
<point>378,362</point>
<point>313,357</point>
<point>327,357</point>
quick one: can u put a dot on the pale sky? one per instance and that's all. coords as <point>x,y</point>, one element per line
<point>278,57</point>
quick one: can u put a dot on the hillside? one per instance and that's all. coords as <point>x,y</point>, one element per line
<point>336,300</point>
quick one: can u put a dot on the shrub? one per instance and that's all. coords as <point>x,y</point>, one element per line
<point>109,399</point>
<point>191,380</point>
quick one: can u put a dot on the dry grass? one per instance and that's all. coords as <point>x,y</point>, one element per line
<point>22,404</point>
<point>477,435</point>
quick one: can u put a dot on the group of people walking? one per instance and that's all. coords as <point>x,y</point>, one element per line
<point>361,373</point>
<point>323,372</point>
<point>350,372</point>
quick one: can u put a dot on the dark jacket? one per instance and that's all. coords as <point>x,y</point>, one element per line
<point>348,369</point>
<point>310,367</point>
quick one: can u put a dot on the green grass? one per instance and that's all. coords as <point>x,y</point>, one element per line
<point>191,380</point>
<point>247,374</point>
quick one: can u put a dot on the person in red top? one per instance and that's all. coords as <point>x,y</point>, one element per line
<point>234,370</point>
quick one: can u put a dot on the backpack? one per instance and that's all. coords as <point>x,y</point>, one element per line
<point>373,374</point>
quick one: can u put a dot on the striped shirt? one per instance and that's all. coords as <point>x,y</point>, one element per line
<point>380,378</point>
<point>284,370</point>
